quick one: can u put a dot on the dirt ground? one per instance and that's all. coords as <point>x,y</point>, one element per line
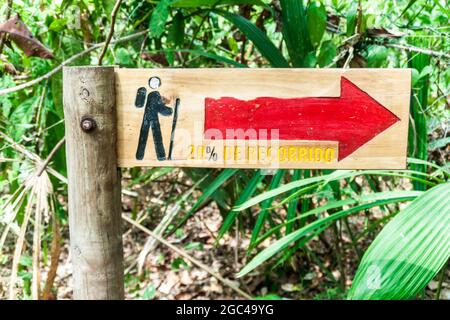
<point>164,278</point>
<point>167,276</point>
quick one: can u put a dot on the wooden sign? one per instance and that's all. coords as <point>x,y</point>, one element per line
<point>263,118</point>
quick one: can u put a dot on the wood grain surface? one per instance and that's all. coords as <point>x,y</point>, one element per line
<point>95,222</point>
<point>302,88</point>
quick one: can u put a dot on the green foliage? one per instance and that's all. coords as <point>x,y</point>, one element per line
<point>418,144</point>
<point>284,217</point>
<point>295,30</point>
<point>351,19</point>
<point>248,191</point>
<point>261,41</point>
<point>377,56</point>
<point>149,292</point>
<point>108,5</point>
<point>212,3</point>
<point>176,32</point>
<point>284,242</point>
<point>263,214</point>
<point>209,190</point>
<point>409,251</point>
<point>326,54</point>
<point>159,17</point>
<point>316,21</point>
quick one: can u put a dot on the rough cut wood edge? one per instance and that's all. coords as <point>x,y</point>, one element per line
<point>94,184</point>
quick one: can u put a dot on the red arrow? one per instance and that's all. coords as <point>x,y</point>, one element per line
<point>352,119</point>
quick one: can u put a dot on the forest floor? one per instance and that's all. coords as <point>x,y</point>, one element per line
<point>165,275</point>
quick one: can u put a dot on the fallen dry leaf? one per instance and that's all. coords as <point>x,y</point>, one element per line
<point>383,33</point>
<point>22,37</point>
<point>159,58</point>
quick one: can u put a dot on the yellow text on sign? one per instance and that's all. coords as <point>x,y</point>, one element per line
<point>280,152</point>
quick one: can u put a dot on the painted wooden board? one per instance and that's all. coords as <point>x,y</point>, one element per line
<point>263,118</point>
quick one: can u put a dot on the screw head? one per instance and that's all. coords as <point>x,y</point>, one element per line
<point>88,124</point>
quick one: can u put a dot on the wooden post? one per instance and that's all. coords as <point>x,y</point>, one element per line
<point>94,182</point>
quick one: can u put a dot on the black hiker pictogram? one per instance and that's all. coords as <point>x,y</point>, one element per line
<point>154,106</point>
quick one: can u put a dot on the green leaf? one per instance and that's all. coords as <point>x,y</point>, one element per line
<point>108,6</point>
<point>293,249</point>
<point>176,31</point>
<point>220,196</point>
<point>25,276</point>
<point>336,175</point>
<point>377,56</point>
<point>159,18</point>
<point>415,75</point>
<point>246,193</point>
<point>417,135</point>
<point>368,22</point>
<point>259,39</point>
<point>58,25</point>
<point>149,292</point>
<point>214,185</point>
<point>439,143</point>
<point>310,60</point>
<point>316,17</point>
<point>292,206</point>
<point>287,187</point>
<point>326,54</point>
<point>124,56</point>
<point>352,16</point>
<point>26,261</point>
<point>444,168</point>
<point>410,3</point>
<point>210,55</point>
<point>213,3</point>
<point>194,246</point>
<point>178,264</point>
<point>426,71</point>
<point>232,43</point>
<point>284,242</point>
<point>295,30</point>
<point>170,57</point>
<point>209,190</point>
<point>276,180</point>
<point>336,204</point>
<point>409,251</point>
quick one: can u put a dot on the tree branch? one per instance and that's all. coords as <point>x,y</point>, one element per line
<point>68,61</point>
<point>50,156</point>
<point>30,155</point>
<point>187,257</point>
<point>111,31</point>
<point>429,52</point>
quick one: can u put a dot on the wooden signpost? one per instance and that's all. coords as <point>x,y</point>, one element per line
<point>263,118</point>
<point>214,118</point>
